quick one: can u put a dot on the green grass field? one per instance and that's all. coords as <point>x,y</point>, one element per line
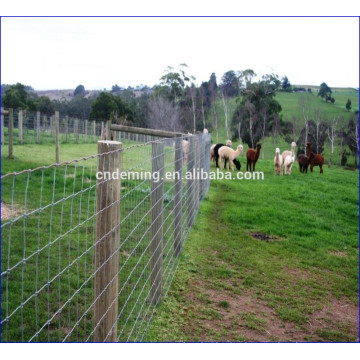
<point>51,252</point>
<point>271,260</point>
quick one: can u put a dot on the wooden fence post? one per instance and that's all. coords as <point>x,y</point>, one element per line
<point>94,130</point>
<point>44,125</point>
<point>76,130</point>
<point>178,196</point>
<point>108,130</point>
<point>197,168</point>
<point>38,127</point>
<point>191,182</point>
<point>207,161</point>
<point>107,244</point>
<point>51,126</point>
<point>66,127</point>
<point>86,130</point>
<point>20,126</point>
<point>156,242</point>
<point>2,129</point>
<point>10,130</point>
<point>56,131</point>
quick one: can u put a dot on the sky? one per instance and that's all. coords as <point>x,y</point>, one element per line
<point>63,52</point>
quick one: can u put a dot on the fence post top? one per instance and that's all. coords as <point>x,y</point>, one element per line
<point>110,142</point>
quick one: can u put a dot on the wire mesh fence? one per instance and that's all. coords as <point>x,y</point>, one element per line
<point>89,247</point>
<point>34,127</point>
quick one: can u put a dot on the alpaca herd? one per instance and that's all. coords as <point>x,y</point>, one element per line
<point>283,162</point>
<point>287,159</point>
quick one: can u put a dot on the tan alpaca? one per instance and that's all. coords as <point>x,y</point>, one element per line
<point>226,152</point>
<point>289,152</point>
<point>278,162</point>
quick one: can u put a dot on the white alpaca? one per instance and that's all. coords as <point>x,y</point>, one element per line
<point>226,152</point>
<point>289,152</point>
<point>288,163</point>
<point>228,143</point>
<point>205,131</point>
<point>278,162</point>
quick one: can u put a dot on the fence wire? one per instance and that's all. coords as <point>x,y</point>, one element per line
<point>34,127</point>
<point>86,259</point>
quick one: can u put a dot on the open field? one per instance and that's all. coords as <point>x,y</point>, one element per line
<point>48,244</point>
<point>271,260</point>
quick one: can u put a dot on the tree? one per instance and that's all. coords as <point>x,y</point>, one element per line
<point>353,137</point>
<point>317,135</point>
<point>332,134</point>
<point>259,104</point>
<point>276,128</point>
<point>325,92</point>
<point>348,105</point>
<point>213,84</point>
<point>229,84</point>
<point>175,81</point>
<point>104,107</point>
<point>245,77</point>
<point>80,90</point>
<point>15,97</point>
<point>163,114</point>
<point>305,106</point>
<point>227,109</point>
<point>285,85</point>
<point>115,88</point>
<point>45,106</point>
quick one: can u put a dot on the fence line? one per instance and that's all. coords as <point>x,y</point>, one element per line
<point>87,259</point>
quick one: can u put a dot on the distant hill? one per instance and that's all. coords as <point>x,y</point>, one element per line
<point>66,94</point>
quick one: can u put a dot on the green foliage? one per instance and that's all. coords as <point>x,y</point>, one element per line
<point>230,84</point>
<point>325,92</point>
<point>285,85</point>
<point>348,105</point>
<point>15,97</point>
<point>104,107</point>
<point>257,104</point>
<point>174,82</point>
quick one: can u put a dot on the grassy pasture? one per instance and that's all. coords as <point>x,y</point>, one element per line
<point>57,244</point>
<point>271,260</point>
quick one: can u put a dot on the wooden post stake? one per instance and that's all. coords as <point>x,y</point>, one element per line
<point>20,126</point>
<point>2,129</point>
<point>76,130</point>
<point>38,127</point>
<point>108,130</point>
<point>156,244</point>
<point>10,130</point>
<point>178,196</point>
<point>107,244</point>
<point>56,132</point>
<point>191,182</point>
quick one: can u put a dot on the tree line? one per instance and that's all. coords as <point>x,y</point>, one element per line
<point>250,111</point>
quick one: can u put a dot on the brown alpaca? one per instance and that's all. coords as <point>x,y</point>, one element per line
<point>252,156</point>
<point>315,159</point>
<point>304,162</point>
